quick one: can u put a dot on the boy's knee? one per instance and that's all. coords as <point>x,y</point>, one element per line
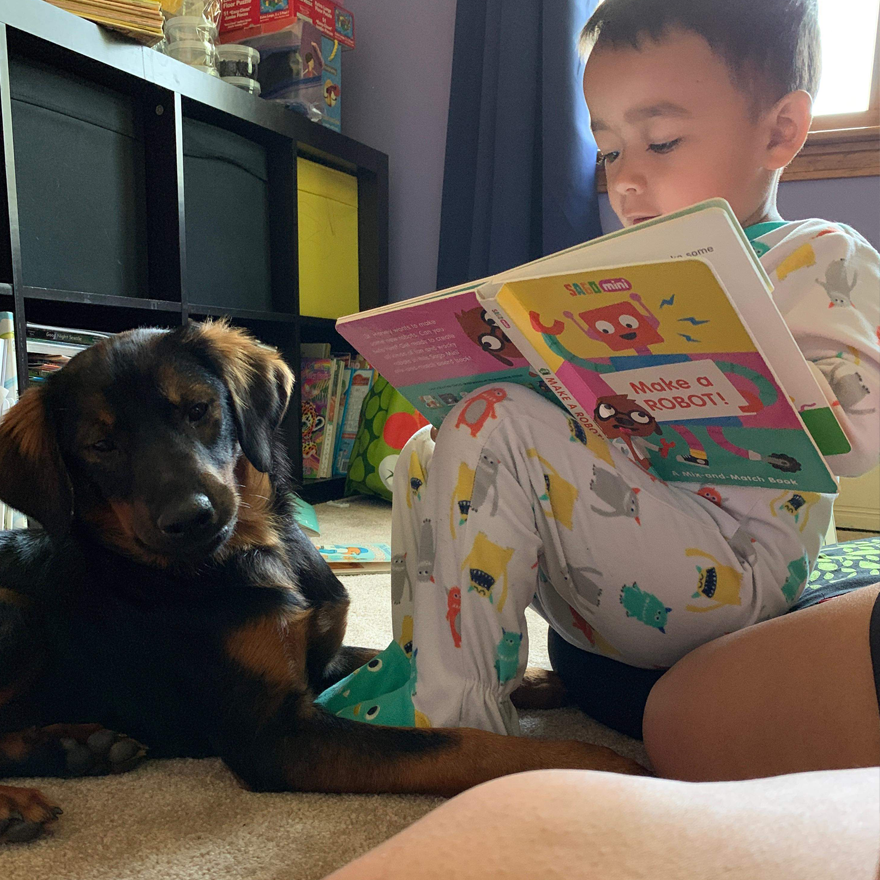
<point>500,400</point>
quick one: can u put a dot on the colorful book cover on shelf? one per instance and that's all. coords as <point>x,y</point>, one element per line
<point>359,383</point>
<point>314,391</point>
<point>659,358</point>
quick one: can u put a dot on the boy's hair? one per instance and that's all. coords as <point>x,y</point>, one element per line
<point>770,47</point>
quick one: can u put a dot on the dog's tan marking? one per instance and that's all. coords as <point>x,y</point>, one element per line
<point>273,648</point>
<point>243,356</point>
<point>10,597</point>
<point>256,526</point>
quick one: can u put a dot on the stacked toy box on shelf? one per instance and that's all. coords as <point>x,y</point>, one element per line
<point>300,44</point>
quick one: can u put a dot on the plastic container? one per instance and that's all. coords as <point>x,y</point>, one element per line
<point>235,60</point>
<point>197,53</point>
<point>243,83</point>
<point>188,28</point>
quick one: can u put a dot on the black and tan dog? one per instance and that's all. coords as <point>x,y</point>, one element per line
<point>171,596</point>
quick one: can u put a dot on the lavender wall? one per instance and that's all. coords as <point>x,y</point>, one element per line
<point>396,98</point>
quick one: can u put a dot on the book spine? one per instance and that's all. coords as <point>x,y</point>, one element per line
<point>548,376</point>
<point>344,388</point>
<point>69,337</point>
<point>326,464</point>
<point>354,401</point>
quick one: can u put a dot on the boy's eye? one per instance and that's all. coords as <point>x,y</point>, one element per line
<point>607,158</point>
<point>664,147</point>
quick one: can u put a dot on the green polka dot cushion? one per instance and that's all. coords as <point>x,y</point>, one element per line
<point>388,420</point>
<point>841,568</point>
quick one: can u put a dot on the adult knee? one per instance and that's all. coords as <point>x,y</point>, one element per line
<point>684,727</point>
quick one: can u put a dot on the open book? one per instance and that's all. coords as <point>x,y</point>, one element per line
<point>662,338</point>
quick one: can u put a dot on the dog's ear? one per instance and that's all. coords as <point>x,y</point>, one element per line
<point>33,478</point>
<point>259,382</point>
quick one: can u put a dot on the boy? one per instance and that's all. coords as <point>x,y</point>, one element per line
<point>689,99</point>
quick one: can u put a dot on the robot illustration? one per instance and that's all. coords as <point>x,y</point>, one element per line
<point>623,326</point>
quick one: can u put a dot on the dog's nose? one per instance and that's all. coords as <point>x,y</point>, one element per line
<point>186,516</point>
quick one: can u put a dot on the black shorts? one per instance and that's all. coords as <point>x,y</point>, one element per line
<point>615,694</point>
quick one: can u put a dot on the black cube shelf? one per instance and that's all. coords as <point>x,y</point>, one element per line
<point>136,191</point>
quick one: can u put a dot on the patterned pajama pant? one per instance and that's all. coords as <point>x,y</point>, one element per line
<point>515,505</point>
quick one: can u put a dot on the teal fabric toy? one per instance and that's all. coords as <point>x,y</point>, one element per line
<point>379,692</point>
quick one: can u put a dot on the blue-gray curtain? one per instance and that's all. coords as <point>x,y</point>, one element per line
<point>519,179</point>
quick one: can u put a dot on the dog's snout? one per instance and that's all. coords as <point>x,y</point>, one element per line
<point>186,516</point>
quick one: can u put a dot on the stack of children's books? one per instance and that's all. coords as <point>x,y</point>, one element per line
<point>662,339</point>
<point>50,348</point>
<point>332,388</point>
<point>139,19</point>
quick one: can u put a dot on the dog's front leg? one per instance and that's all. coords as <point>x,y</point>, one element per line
<point>304,748</point>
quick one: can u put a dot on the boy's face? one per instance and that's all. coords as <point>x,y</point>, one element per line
<point>674,130</point>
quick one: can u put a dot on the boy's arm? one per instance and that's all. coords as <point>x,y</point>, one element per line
<point>831,303</point>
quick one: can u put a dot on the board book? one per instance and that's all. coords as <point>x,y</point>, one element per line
<point>670,323</point>
<point>357,559</point>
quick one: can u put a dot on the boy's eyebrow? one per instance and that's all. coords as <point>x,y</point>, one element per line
<point>638,114</point>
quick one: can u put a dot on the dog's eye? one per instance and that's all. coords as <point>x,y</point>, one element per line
<point>197,412</point>
<point>105,445</point>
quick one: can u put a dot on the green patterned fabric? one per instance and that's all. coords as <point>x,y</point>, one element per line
<point>388,420</point>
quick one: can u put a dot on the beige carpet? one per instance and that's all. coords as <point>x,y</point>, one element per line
<point>187,819</point>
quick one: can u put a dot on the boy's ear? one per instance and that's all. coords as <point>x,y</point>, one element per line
<point>788,124</point>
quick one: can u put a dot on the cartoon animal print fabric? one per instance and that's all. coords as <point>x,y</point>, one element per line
<point>524,507</point>
<point>514,512</point>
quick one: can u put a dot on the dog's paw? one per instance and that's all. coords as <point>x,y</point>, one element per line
<point>24,814</point>
<point>101,753</point>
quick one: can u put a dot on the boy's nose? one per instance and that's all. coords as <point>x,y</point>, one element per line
<point>628,176</point>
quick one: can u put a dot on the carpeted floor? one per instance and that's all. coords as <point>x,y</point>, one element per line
<point>189,820</point>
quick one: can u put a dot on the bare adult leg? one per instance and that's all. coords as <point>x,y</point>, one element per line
<point>790,694</point>
<point>584,824</point>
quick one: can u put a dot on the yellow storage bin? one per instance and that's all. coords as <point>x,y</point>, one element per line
<point>328,241</point>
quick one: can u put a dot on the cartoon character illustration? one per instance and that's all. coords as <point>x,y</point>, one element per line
<point>614,491</point>
<point>482,328</point>
<point>798,569</point>
<point>479,409</point>
<point>623,421</point>
<point>711,494</point>
<point>331,93</point>
<point>719,583</point>
<point>583,584</point>
<point>399,579</point>
<point>559,493</point>
<point>849,388</point>
<point>796,504</point>
<point>622,326</point>
<point>836,285</point>
<point>596,640</point>
<point>485,477</point>
<point>406,635</point>
<point>507,655</point>
<point>644,606</point>
<point>800,258</point>
<point>461,497</point>
<point>416,479</point>
<point>487,565</point>
<point>311,424</point>
<point>425,571</point>
<point>453,613</point>
<point>698,456</point>
<point>743,545</point>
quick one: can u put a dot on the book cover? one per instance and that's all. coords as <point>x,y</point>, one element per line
<point>354,559</point>
<point>358,384</point>
<point>315,391</point>
<point>438,349</point>
<point>658,358</point>
<point>422,347</point>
